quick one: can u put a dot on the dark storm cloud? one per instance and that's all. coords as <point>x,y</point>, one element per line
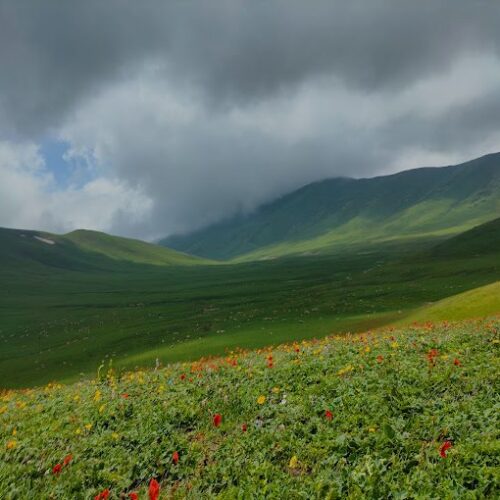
<point>195,110</point>
<point>54,53</point>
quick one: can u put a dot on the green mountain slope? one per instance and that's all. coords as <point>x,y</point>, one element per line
<point>476,303</point>
<point>26,251</point>
<point>481,240</point>
<point>333,213</point>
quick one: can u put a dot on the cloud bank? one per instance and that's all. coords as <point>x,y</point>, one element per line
<point>187,112</point>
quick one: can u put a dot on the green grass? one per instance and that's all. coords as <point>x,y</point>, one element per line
<point>476,303</point>
<point>395,396</point>
<point>60,323</point>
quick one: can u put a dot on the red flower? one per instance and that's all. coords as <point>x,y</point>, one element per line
<point>217,419</point>
<point>380,358</point>
<point>444,448</point>
<point>103,495</point>
<point>154,490</point>
<point>244,427</point>
<point>125,395</point>
<point>68,459</point>
<point>56,469</point>
<point>133,496</point>
<point>457,362</point>
<point>328,415</point>
<point>175,457</point>
<point>183,376</point>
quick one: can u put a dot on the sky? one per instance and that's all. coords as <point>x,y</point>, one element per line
<point>150,118</point>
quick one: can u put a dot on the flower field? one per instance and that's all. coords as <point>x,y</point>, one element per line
<point>407,413</point>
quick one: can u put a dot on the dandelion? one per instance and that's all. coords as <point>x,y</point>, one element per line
<point>154,490</point>
<point>175,457</point>
<point>217,419</point>
<point>444,448</point>
<point>261,400</point>
<point>328,415</point>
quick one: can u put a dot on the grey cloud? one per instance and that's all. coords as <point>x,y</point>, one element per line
<point>198,110</point>
<point>54,54</point>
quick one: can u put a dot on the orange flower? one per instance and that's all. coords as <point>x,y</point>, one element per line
<point>68,459</point>
<point>175,457</point>
<point>103,495</point>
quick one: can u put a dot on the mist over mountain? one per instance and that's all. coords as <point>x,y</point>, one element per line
<point>324,215</point>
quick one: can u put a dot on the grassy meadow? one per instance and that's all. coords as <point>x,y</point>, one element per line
<point>61,323</point>
<point>406,413</point>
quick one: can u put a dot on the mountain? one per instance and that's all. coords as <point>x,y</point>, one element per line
<point>24,251</point>
<point>480,240</point>
<point>335,213</point>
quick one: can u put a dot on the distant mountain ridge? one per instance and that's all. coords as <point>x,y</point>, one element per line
<point>325,215</point>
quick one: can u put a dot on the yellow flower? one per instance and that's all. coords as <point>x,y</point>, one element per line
<point>102,408</point>
<point>394,345</point>
<point>294,461</point>
<point>88,426</point>
<point>261,400</point>
<point>115,436</point>
<point>11,444</point>
<point>372,429</point>
<point>276,390</point>
<point>78,432</point>
<point>76,398</point>
<point>97,395</point>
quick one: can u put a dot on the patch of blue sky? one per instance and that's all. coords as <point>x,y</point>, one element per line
<point>66,169</point>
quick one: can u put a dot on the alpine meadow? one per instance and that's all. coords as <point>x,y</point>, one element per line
<point>249,250</point>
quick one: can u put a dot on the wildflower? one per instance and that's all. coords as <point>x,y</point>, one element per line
<point>444,448</point>
<point>56,469</point>
<point>88,426</point>
<point>275,390</point>
<point>125,395</point>
<point>328,415</point>
<point>294,461</point>
<point>154,490</point>
<point>244,428</point>
<point>133,496</point>
<point>11,444</point>
<point>115,436</point>
<point>261,400</point>
<point>68,459</point>
<point>372,429</point>
<point>380,358</point>
<point>456,362</point>
<point>97,395</point>
<point>183,376</point>
<point>103,495</point>
<point>217,419</point>
<point>175,457</point>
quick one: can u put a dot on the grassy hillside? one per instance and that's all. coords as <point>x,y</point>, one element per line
<point>25,251</point>
<point>335,213</point>
<point>476,303</point>
<point>57,323</point>
<point>393,414</point>
<point>481,240</point>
